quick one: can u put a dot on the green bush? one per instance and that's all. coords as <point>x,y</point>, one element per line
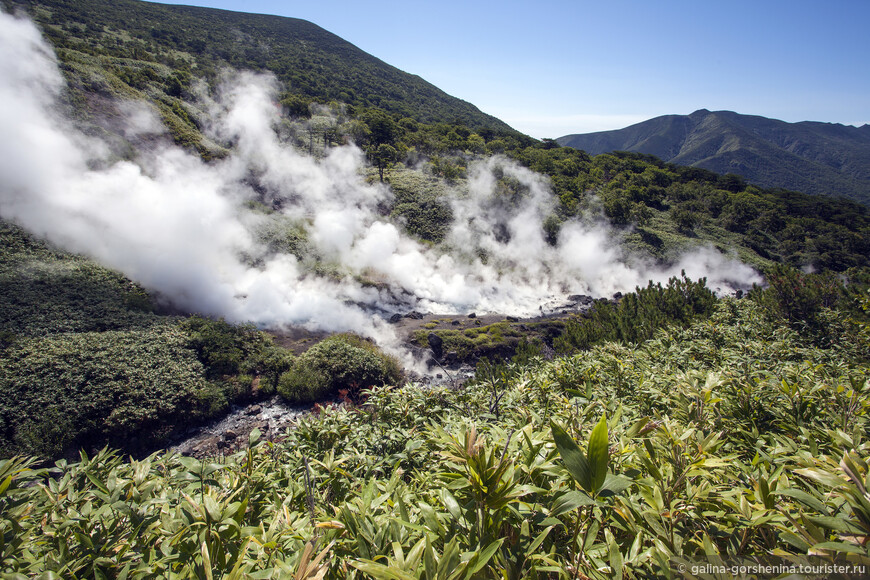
<point>795,296</point>
<point>227,349</point>
<point>123,388</point>
<point>211,400</point>
<point>343,361</point>
<point>269,363</point>
<point>801,299</point>
<point>639,314</point>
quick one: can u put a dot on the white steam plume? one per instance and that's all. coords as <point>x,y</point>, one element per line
<point>180,226</point>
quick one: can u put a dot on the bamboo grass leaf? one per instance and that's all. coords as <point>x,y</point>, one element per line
<point>206,562</point>
<point>804,498</point>
<point>574,459</point>
<point>614,485</point>
<point>598,454</point>
<point>569,502</point>
<point>838,547</point>
<point>482,558</point>
<point>380,571</point>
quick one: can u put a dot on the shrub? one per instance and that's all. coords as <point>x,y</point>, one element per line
<point>269,364</point>
<point>343,361</point>
<point>802,299</point>
<point>123,388</point>
<point>227,349</point>
<point>639,314</point>
<point>219,345</point>
<point>795,296</point>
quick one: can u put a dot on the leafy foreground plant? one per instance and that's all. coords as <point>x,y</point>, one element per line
<point>734,438</point>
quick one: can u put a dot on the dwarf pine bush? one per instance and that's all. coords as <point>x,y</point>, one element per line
<point>341,362</point>
<point>639,314</point>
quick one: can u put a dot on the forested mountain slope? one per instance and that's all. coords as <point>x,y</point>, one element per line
<point>157,49</point>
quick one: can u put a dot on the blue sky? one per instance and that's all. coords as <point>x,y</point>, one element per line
<point>551,67</point>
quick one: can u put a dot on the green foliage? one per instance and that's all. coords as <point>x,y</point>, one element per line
<point>499,340</point>
<point>734,437</point>
<point>383,158</point>
<point>222,347</point>
<point>341,362</point>
<point>125,388</point>
<point>421,204</point>
<point>638,315</point>
<point>685,218</point>
<point>798,297</point>
<point>686,203</point>
<point>231,356</point>
<point>282,235</point>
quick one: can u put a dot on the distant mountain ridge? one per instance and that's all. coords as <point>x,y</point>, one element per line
<point>811,157</point>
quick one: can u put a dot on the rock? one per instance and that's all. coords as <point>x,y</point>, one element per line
<point>581,299</point>
<point>456,323</point>
<point>253,410</point>
<point>451,358</point>
<point>472,315</point>
<point>436,344</point>
<point>229,435</point>
<point>221,444</point>
<point>617,296</point>
<point>395,318</point>
<point>415,315</point>
<point>512,319</point>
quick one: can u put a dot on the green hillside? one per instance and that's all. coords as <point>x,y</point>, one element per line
<point>87,357</point>
<point>152,50</point>
<point>670,208</point>
<point>816,158</point>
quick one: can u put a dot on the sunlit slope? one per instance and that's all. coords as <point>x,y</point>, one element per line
<point>156,49</point>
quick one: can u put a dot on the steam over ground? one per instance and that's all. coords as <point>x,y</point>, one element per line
<point>182,227</point>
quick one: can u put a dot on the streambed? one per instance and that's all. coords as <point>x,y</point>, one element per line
<point>229,434</point>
